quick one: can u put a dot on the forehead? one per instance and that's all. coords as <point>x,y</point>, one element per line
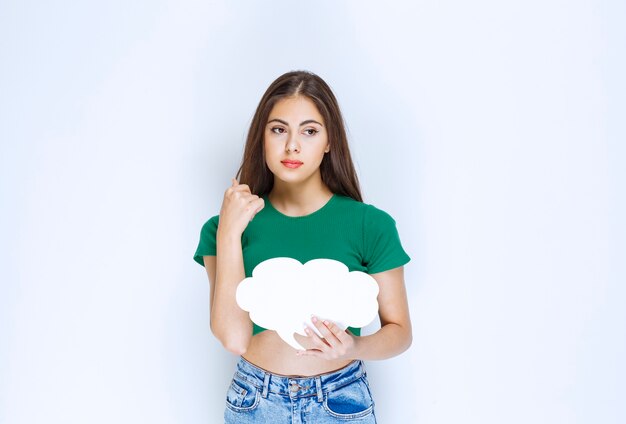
<point>295,109</point>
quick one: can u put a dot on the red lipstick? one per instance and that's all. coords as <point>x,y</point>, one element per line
<point>291,163</point>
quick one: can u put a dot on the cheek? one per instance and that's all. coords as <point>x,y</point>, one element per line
<point>271,154</point>
<point>270,151</point>
<point>267,147</point>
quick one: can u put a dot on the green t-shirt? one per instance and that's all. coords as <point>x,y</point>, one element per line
<point>357,234</point>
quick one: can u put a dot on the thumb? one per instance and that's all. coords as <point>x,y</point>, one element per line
<point>234,182</point>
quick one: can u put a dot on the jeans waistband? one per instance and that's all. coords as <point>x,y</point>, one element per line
<point>294,386</point>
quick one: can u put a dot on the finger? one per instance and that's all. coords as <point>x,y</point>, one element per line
<point>317,340</point>
<point>310,352</point>
<point>249,201</point>
<point>328,335</point>
<point>253,206</point>
<point>258,204</point>
<point>241,192</point>
<point>336,331</point>
<point>242,188</point>
<point>248,197</point>
<point>233,182</point>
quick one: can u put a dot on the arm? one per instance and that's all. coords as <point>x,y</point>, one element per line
<point>395,335</point>
<point>229,323</point>
<point>393,338</point>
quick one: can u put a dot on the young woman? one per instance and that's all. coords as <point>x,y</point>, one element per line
<point>298,196</point>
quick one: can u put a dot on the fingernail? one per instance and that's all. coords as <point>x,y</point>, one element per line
<point>326,322</point>
<point>313,318</point>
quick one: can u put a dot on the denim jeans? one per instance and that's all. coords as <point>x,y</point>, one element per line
<point>257,396</point>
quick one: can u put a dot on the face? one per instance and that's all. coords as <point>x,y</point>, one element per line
<point>295,140</point>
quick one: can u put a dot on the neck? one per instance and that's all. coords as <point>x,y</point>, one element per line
<point>301,199</point>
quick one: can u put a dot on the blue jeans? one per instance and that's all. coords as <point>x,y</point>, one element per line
<point>258,396</point>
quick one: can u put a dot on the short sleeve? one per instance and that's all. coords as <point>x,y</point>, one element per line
<point>382,247</point>
<point>207,244</point>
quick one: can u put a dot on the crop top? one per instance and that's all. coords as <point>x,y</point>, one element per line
<point>357,234</point>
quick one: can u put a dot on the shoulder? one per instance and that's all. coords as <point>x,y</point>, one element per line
<point>374,215</point>
<point>211,224</point>
<point>367,210</point>
<point>348,203</point>
<point>371,216</point>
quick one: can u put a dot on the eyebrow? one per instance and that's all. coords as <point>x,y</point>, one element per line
<point>308,121</point>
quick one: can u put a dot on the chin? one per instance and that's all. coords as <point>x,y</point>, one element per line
<point>291,178</point>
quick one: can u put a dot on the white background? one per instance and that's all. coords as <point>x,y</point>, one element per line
<point>491,131</point>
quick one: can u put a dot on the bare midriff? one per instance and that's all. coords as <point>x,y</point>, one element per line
<point>268,351</point>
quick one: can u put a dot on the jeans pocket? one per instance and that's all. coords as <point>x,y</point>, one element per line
<point>242,396</point>
<point>350,401</point>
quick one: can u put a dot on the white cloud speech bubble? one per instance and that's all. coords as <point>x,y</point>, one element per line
<point>282,294</point>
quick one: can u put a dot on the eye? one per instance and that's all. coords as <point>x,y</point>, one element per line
<point>313,131</point>
<point>280,130</point>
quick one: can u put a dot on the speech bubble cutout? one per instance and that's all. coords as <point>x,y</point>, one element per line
<point>282,294</point>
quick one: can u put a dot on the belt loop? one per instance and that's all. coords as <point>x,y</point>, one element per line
<point>266,384</point>
<point>318,383</point>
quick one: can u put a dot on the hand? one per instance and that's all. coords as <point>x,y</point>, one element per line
<point>238,208</point>
<point>336,344</point>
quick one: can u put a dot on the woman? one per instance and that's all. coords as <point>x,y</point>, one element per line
<point>298,197</point>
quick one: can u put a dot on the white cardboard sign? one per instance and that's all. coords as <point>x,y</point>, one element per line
<point>282,294</point>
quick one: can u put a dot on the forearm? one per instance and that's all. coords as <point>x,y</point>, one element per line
<point>230,324</point>
<point>391,340</point>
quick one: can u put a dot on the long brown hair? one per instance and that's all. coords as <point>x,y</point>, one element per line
<point>337,169</point>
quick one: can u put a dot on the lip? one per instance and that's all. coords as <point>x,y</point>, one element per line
<point>291,163</point>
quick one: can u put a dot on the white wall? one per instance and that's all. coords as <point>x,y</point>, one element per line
<point>492,131</point>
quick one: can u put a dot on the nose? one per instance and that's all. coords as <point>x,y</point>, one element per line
<point>292,143</point>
